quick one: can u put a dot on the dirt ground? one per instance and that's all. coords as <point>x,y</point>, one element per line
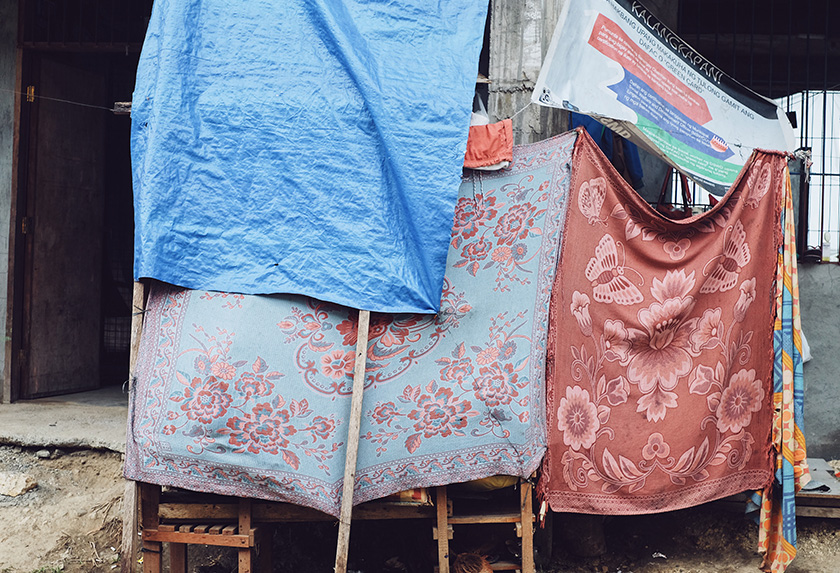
<point>72,522</point>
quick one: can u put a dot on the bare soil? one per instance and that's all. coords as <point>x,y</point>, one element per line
<point>72,522</point>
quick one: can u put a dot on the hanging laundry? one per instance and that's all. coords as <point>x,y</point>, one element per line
<point>307,146</point>
<point>490,146</point>
<point>777,517</point>
<point>249,395</point>
<point>659,391</point>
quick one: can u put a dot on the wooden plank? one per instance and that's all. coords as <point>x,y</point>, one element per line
<point>527,519</point>
<point>129,553</point>
<point>245,525</point>
<point>177,558</point>
<point>223,540</point>
<point>343,545</point>
<point>14,304</point>
<point>149,499</point>
<point>485,518</point>
<point>443,529</point>
<point>244,515</point>
<point>277,512</point>
<point>505,566</point>
<point>229,530</point>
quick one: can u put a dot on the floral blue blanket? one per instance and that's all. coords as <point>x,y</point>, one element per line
<point>250,395</point>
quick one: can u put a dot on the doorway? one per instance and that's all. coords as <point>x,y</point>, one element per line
<point>71,245</point>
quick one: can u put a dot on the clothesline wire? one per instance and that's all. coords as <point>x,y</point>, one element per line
<point>92,106</point>
<point>58,100</point>
<point>522,109</point>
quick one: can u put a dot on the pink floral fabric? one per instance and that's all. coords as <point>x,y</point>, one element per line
<point>659,392</point>
<point>250,395</point>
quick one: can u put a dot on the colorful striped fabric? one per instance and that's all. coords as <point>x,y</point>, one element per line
<point>777,520</point>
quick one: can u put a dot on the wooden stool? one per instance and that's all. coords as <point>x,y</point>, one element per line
<point>522,518</point>
<point>240,535</point>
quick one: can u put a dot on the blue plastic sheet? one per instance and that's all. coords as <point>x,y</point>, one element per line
<point>306,146</point>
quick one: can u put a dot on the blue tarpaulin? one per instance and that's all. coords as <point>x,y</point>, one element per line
<point>306,146</point>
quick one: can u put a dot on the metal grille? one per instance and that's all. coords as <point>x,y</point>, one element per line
<point>818,131</point>
<point>84,25</point>
<point>786,50</point>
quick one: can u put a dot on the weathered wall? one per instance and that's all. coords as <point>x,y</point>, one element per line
<point>520,32</point>
<point>819,296</point>
<point>8,58</point>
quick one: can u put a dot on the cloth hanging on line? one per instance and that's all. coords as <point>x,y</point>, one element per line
<point>290,147</point>
<point>490,146</point>
<point>250,395</point>
<point>660,378</point>
<point>777,517</point>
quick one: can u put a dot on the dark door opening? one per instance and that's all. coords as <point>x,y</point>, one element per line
<point>74,204</point>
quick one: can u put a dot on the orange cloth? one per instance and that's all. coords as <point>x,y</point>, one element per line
<point>489,144</point>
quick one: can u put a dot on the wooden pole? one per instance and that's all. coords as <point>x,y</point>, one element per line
<point>352,443</point>
<point>128,554</point>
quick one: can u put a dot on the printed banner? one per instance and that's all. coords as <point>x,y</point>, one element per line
<point>613,60</point>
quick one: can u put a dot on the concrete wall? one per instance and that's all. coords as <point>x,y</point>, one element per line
<point>520,32</point>
<point>8,60</point>
<point>819,296</point>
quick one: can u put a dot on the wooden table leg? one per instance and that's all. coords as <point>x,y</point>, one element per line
<point>442,529</point>
<point>150,520</point>
<point>246,553</point>
<point>177,558</point>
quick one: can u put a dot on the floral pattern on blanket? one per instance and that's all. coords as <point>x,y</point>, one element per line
<point>250,395</point>
<point>660,393</point>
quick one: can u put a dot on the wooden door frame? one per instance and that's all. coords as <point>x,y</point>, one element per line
<point>15,323</point>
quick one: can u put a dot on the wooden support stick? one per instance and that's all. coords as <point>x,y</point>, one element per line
<point>352,443</point>
<point>128,554</point>
<point>526,512</point>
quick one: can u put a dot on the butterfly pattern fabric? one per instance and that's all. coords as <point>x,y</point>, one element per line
<point>659,387</point>
<point>607,272</point>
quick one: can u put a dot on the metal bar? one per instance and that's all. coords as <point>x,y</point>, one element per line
<point>717,37</point>
<point>825,164</point>
<point>82,21</point>
<point>790,34</point>
<point>752,44</point>
<point>734,34</point>
<point>772,57</point>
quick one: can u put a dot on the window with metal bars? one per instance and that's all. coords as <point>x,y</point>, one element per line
<point>789,51</point>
